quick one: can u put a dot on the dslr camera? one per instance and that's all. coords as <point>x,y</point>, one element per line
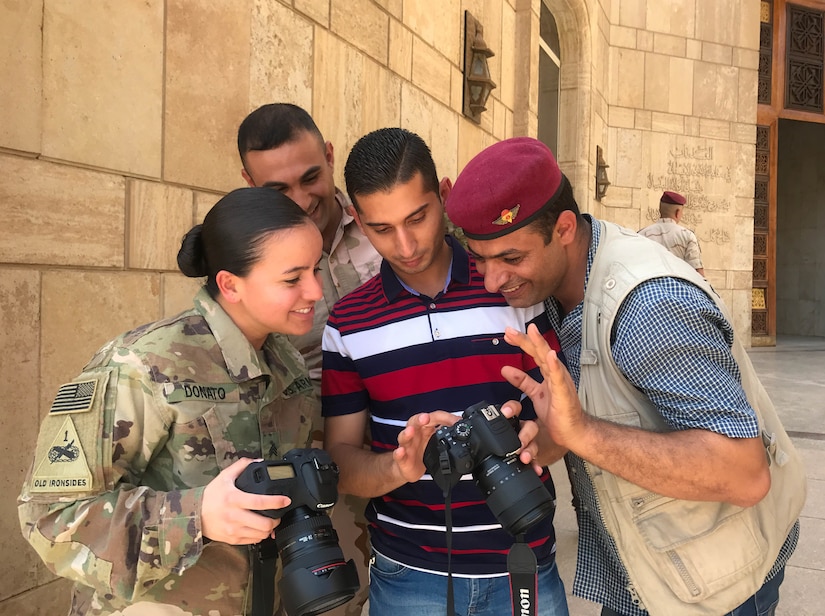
<point>315,578</point>
<point>485,443</point>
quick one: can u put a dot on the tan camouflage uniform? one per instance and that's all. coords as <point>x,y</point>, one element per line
<point>172,404</point>
<point>351,262</point>
<point>679,240</point>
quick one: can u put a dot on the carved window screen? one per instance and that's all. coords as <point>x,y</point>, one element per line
<point>759,305</point>
<point>804,59</point>
<point>765,52</point>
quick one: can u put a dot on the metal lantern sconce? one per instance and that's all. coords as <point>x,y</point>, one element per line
<point>477,81</point>
<point>601,175</point>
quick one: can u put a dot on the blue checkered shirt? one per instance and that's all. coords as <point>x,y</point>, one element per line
<point>672,343</point>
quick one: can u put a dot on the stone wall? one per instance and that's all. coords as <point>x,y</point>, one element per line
<point>680,80</point>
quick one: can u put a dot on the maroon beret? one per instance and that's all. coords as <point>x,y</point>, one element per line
<point>672,197</point>
<point>503,188</point>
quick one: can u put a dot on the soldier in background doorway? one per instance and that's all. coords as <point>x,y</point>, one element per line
<point>667,231</point>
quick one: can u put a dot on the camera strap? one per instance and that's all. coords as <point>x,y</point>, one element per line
<point>446,469</point>
<point>522,567</point>
<point>264,564</point>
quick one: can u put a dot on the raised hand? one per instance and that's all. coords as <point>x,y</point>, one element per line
<point>555,400</point>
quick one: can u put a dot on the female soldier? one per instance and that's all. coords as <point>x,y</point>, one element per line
<point>131,493</point>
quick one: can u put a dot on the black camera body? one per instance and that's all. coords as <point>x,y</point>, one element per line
<point>308,477</point>
<point>316,578</point>
<point>481,432</point>
<point>485,443</point>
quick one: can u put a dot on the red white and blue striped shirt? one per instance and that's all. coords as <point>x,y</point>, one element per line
<point>395,354</point>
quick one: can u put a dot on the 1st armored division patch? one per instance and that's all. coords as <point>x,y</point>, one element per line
<point>64,468</point>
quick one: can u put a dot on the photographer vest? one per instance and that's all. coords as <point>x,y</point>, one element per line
<point>702,557</point>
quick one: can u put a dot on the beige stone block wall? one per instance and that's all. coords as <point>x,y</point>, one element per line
<point>400,55</point>
<point>431,71</point>
<point>281,67</point>
<point>159,217</point>
<point>435,123</point>
<point>21,64</point>
<point>363,24</point>
<point>676,17</point>
<point>204,202</point>
<point>114,122</point>
<point>60,215</point>
<point>19,421</point>
<point>682,109</point>
<point>507,81</point>
<point>51,598</point>
<point>177,292</point>
<point>206,90</point>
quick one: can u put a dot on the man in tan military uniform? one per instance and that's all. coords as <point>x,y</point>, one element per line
<point>114,497</point>
<point>281,147</point>
<point>667,231</point>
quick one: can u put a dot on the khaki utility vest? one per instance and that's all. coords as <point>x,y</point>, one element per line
<point>682,557</point>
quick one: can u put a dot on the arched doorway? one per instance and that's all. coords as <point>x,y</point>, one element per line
<point>789,210</point>
<point>549,79</point>
<point>571,113</point>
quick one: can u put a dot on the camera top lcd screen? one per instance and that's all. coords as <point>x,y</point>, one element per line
<point>282,471</point>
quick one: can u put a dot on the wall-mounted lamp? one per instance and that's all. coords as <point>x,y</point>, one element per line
<point>601,175</point>
<point>477,81</point>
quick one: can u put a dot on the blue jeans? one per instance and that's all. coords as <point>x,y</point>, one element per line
<point>396,589</point>
<point>763,603</point>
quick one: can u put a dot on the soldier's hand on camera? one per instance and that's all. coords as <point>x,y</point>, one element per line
<point>412,440</point>
<point>229,514</point>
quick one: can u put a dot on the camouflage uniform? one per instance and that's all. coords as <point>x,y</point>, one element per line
<point>155,415</point>
<point>350,263</point>
<point>679,240</point>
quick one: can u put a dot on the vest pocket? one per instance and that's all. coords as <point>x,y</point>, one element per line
<point>699,548</point>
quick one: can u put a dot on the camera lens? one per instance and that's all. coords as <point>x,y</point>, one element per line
<point>316,578</point>
<point>514,493</point>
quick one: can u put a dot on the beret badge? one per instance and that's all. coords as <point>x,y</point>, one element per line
<point>507,216</point>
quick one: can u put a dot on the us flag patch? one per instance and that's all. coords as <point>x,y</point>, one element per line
<point>74,397</point>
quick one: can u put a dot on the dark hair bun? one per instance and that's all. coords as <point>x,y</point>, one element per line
<point>191,260</point>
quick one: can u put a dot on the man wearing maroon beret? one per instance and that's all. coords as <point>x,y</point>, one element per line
<point>690,488</point>
<point>667,231</point>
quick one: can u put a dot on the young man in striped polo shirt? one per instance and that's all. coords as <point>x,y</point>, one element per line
<point>408,350</point>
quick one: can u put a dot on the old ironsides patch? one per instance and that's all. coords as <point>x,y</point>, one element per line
<point>62,467</point>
